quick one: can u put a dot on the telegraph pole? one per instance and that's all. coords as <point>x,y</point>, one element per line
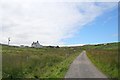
<point>8,40</point>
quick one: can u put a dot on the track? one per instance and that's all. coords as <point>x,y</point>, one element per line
<point>82,67</point>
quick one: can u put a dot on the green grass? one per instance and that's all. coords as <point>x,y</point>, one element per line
<point>54,62</point>
<point>105,57</point>
<point>37,63</point>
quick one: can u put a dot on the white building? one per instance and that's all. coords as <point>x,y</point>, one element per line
<point>36,45</point>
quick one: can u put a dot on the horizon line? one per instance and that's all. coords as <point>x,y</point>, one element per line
<point>69,45</point>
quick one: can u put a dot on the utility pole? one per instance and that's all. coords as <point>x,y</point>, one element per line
<point>8,40</point>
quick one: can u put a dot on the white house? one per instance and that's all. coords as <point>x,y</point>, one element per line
<point>36,45</point>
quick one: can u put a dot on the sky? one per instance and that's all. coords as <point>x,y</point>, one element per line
<point>58,23</point>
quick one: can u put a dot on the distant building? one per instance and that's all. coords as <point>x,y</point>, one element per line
<point>36,45</point>
<point>105,44</point>
<point>22,46</point>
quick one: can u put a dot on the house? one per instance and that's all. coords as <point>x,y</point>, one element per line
<point>36,45</point>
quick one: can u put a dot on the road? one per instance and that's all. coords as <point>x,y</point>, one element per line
<point>82,67</point>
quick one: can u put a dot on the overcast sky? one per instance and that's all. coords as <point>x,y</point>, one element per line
<point>51,23</point>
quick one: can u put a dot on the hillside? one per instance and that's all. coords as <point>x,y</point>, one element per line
<point>54,62</point>
<point>105,57</point>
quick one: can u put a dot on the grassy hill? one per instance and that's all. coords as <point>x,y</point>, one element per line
<point>36,62</point>
<point>105,57</point>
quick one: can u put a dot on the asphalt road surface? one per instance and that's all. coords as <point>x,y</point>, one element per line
<point>82,67</point>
